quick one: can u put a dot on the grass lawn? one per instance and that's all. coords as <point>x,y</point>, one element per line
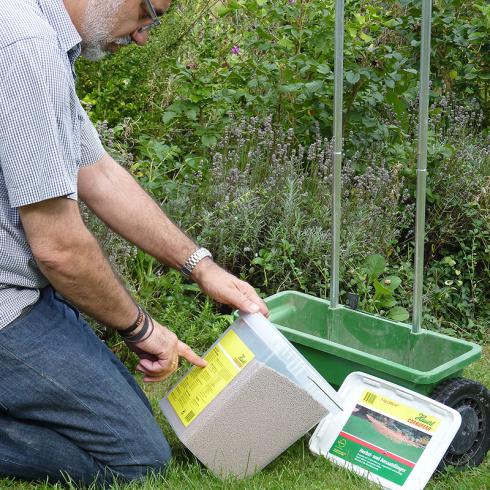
<point>295,469</point>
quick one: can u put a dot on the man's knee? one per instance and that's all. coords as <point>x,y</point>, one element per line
<point>153,463</point>
<point>152,459</point>
<point>158,459</point>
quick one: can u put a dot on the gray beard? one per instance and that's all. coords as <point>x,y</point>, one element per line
<point>97,25</point>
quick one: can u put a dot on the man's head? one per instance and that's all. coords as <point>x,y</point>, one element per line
<point>106,25</point>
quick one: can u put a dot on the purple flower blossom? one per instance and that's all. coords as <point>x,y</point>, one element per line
<point>235,50</point>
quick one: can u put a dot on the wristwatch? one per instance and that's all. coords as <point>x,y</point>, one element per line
<point>194,259</point>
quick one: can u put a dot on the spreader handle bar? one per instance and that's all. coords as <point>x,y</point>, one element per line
<point>422,164</point>
<point>337,151</point>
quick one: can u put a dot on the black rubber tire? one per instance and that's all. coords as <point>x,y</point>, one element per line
<point>472,442</point>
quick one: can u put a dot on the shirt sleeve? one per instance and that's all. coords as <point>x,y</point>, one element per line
<point>92,149</point>
<point>43,136</point>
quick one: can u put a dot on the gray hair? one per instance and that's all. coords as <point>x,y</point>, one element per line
<point>97,25</point>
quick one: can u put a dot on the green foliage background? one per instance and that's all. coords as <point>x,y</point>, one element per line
<point>177,111</point>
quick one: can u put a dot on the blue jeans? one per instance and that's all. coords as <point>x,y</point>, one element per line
<point>69,409</point>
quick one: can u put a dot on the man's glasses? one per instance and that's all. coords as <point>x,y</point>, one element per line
<point>153,15</point>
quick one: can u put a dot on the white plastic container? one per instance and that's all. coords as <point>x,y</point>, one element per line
<point>386,433</point>
<point>255,398</point>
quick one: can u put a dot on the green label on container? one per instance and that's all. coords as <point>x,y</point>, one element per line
<point>375,441</point>
<point>371,458</point>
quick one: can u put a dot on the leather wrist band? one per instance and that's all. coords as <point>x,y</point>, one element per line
<point>141,334</point>
<point>144,333</point>
<point>139,320</point>
<point>194,259</point>
<point>152,327</point>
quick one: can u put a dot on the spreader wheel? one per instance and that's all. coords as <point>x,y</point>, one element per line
<point>472,400</point>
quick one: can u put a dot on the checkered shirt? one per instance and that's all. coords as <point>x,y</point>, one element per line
<point>45,135</point>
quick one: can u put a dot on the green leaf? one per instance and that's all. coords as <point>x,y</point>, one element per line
<point>375,264</point>
<point>352,77</point>
<point>391,282</point>
<point>399,105</point>
<point>360,18</point>
<point>191,113</point>
<point>208,140</point>
<point>476,35</point>
<point>390,83</point>
<point>323,69</point>
<point>286,43</point>
<point>449,261</point>
<point>352,31</point>
<point>381,290</point>
<point>387,302</point>
<point>293,87</point>
<point>168,116</point>
<point>365,37</point>
<point>313,86</point>
<point>392,23</point>
<point>369,122</point>
<point>176,107</point>
<point>398,314</point>
<point>233,5</point>
<point>222,11</point>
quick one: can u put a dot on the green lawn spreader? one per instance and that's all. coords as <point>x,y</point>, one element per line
<point>338,340</point>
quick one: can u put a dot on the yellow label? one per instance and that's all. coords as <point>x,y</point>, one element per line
<point>202,385</point>
<point>403,412</point>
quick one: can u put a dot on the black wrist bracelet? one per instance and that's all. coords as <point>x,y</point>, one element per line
<point>139,319</point>
<point>150,330</point>
<point>141,335</point>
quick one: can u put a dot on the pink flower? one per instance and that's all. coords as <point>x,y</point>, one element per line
<point>235,50</point>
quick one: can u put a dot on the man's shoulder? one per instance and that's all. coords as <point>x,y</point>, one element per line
<point>23,19</point>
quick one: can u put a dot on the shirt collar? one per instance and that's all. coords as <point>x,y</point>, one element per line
<point>60,21</point>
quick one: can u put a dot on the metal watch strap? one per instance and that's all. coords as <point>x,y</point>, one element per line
<point>194,259</point>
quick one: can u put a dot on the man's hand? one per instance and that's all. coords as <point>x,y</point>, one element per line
<point>159,354</point>
<point>226,288</point>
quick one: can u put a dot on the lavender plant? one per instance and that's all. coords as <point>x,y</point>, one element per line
<point>452,118</point>
<point>264,206</point>
<point>261,201</point>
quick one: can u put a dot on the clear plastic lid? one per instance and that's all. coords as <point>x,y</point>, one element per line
<point>272,347</point>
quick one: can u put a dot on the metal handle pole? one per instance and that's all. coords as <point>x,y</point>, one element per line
<point>422,164</point>
<point>337,151</point>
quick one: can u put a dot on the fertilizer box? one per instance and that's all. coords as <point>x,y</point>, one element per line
<point>255,398</point>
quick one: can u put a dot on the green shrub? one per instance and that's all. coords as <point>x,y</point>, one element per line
<point>261,57</point>
<point>263,207</point>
